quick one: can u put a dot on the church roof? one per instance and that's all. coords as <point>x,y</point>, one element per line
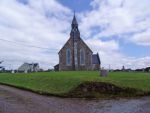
<point>95,59</point>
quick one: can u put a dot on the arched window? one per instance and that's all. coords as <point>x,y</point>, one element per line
<point>68,56</point>
<point>82,56</point>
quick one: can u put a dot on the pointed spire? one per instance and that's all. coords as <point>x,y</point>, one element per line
<point>74,21</point>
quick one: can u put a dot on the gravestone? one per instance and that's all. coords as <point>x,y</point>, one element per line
<point>103,72</point>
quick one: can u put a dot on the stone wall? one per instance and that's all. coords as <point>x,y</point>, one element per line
<point>80,44</point>
<point>62,56</point>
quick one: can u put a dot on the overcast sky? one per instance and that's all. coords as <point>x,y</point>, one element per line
<point>35,30</point>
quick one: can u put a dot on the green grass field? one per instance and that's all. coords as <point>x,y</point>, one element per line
<point>59,83</point>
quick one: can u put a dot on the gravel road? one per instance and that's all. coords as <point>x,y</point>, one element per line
<point>14,100</point>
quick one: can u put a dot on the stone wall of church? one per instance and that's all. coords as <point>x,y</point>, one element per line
<point>80,45</point>
<point>62,57</point>
<point>88,56</point>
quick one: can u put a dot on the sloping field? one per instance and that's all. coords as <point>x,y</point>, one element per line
<point>81,83</point>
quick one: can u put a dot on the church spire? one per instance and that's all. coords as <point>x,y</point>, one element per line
<point>74,28</point>
<point>74,21</point>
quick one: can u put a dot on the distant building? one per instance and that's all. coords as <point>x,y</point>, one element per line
<point>96,62</point>
<point>29,67</point>
<point>75,54</point>
<point>140,70</point>
<point>56,67</point>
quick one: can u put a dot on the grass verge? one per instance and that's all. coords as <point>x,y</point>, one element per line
<point>81,83</point>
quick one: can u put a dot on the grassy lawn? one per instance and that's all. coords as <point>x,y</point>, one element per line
<point>59,83</point>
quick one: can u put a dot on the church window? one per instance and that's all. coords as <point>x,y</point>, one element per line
<point>68,56</point>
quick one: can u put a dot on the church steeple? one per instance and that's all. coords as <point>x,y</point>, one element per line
<point>74,28</point>
<point>74,21</point>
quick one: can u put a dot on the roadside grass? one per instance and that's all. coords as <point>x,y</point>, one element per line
<point>60,83</point>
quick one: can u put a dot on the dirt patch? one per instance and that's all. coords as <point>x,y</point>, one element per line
<point>101,89</point>
<point>93,90</point>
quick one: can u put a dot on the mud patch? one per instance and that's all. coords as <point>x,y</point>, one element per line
<point>101,89</point>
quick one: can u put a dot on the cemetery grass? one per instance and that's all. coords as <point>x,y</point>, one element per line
<point>81,83</point>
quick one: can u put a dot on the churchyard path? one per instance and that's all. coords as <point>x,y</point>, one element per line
<point>14,100</point>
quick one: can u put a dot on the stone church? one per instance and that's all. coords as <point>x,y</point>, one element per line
<point>75,54</point>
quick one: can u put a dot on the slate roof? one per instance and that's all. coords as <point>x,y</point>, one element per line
<point>95,59</point>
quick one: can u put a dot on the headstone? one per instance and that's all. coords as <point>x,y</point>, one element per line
<point>103,72</point>
<point>12,71</point>
<point>26,71</point>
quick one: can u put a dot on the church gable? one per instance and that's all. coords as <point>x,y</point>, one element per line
<point>84,44</point>
<point>69,43</point>
<point>66,45</point>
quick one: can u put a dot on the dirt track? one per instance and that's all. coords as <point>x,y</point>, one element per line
<point>13,100</point>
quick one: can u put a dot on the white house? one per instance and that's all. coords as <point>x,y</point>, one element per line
<point>29,67</point>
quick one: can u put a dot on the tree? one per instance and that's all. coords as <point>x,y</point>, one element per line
<point>147,69</point>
